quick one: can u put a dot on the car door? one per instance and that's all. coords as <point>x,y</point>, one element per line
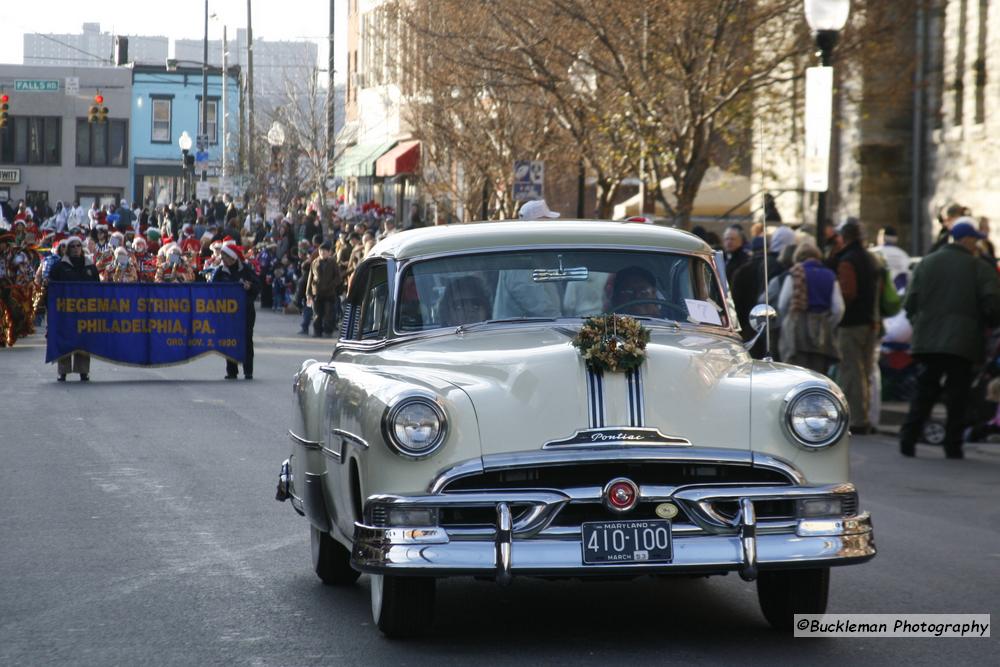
<point>364,329</point>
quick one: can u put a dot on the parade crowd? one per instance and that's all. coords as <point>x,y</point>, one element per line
<point>842,311</point>
<point>858,310</point>
<point>299,264</point>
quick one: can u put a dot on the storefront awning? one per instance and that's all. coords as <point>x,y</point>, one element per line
<point>359,159</point>
<point>403,159</point>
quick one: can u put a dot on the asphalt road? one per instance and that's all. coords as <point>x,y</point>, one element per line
<point>138,526</point>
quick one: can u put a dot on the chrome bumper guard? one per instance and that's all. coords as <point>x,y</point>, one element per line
<point>523,542</point>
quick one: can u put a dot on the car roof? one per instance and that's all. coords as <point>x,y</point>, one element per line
<point>444,239</point>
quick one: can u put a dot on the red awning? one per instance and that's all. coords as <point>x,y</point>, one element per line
<point>403,159</point>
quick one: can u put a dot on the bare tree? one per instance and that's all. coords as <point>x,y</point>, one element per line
<point>657,89</point>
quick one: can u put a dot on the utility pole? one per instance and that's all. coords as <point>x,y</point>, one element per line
<point>225,84</point>
<point>203,135</point>
<point>250,154</point>
<point>331,98</point>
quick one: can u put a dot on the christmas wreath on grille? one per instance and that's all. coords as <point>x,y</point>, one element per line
<point>615,343</point>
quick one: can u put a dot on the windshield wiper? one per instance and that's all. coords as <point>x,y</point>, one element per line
<point>462,328</point>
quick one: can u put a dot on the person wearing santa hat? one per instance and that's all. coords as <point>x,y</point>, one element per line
<point>235,269</point>
<point>190,245</point>
<point>145,261</point>
<point>121,269</point>
<point>172,266</point>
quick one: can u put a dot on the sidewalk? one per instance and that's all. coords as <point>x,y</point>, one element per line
<point>894,413</point>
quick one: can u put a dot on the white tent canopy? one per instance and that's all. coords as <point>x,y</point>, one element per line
<point>720,192</point>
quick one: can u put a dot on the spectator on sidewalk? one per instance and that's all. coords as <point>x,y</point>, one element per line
<point>858,276</point>
<point>736,252</point>
<point>952,213</point>
<point>953,298</point>
<point>321,290</point>
<point>810,307</point>
<point>896,259</point>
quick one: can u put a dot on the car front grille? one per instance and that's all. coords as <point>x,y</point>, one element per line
<point>599,474</point>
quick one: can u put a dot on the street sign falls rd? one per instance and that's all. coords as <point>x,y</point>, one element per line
<point>36,85</point>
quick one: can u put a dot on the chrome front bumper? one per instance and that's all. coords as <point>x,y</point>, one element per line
<point>530,545</point>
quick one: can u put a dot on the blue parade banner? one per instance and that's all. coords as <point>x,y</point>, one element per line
<point>146,324</point>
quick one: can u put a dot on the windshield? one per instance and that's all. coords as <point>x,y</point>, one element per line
<point>467,289</point>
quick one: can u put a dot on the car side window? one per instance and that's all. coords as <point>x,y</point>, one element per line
<point>374,317</point>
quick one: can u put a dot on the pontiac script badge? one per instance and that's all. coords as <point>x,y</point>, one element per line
<point>625,435</point>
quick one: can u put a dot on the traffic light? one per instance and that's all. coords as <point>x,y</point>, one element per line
<point>95,109</point>
<point>4,107</point>
<point>98,113</point>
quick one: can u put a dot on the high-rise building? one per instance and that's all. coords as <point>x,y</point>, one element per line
<point>277,64</point>
<point>90,48</point>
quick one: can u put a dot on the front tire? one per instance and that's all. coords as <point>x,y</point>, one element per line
<point>402,606</point>
<point>783,594</point>
<point>331,560</point>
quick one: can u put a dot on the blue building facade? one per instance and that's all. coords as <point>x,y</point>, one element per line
<point>167,103</point>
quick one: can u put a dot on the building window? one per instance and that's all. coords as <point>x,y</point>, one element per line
<point>980,64</point>
<point>161,121</point>
<point>959,85</point>
<point>31,140</point>
<point>101,144</point>
<point>212,135</point>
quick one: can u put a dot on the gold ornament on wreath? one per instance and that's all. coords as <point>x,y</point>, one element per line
<point>615,343</point>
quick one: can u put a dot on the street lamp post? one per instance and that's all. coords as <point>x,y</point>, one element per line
<point>276,138</point>
<point>826,18</point>
<point>187,161</point>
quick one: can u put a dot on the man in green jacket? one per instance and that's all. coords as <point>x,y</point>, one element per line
<point>952,300</point>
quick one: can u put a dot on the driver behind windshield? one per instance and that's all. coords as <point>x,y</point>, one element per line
<point>465,301</point>
<point>635,293</point>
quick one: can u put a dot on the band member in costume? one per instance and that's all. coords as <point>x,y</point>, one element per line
<point>173,267</point>
<point>145,261</point>
<point>122,268</point>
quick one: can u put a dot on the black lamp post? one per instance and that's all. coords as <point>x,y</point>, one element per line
<point>826,18</point>
<point>187,161</point>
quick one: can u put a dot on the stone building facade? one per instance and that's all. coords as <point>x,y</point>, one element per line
<point>914,130</point>
<point>963,130</point>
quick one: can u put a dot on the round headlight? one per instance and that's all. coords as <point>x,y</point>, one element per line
<point>814,417</point>
<point>414,426</point>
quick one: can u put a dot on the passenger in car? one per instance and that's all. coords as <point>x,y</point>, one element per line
<point>465,301</point>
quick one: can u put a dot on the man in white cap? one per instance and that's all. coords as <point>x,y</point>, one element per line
<point>518,295</point>
<point>536,209</point>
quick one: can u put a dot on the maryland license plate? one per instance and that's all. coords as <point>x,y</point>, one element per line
<point>627,541</point>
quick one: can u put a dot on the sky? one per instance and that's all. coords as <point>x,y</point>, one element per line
<point>177,19</point>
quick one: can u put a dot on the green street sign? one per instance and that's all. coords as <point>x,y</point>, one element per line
<point>36,85</point>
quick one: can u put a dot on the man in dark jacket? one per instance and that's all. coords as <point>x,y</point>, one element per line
<point>734,243</point>
<point>322,287</point>
<point>748,285</point>
<point>235,270</point>
<point>857,336</point>
<point>951,301</point>
<point>74,267</point>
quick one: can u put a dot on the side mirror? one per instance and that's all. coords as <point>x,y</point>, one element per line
<point>760,315</point>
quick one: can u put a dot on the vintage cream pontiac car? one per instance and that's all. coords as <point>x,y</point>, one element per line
<point>563,399</point>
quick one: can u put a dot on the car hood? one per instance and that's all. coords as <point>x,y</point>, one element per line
<point>529,386</point>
